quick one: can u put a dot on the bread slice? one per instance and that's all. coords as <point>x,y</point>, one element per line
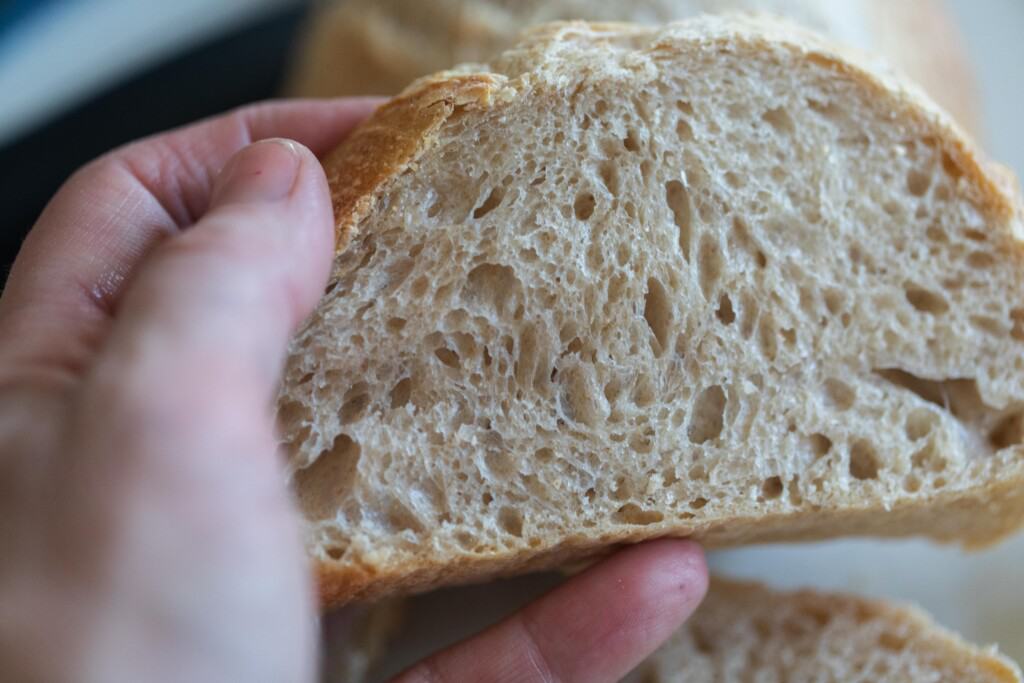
<point>360,47</point>
<point>712,280</point>
<point>742,632</point>
<point>746,632</point>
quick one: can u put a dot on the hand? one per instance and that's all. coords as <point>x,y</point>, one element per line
<point>146,530</point>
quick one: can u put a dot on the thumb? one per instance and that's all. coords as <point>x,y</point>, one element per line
<point>217,304</point>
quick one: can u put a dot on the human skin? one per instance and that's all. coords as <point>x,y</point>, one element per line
<point>146,531</point>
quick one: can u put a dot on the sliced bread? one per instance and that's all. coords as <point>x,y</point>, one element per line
<point>713,280</point>
<point>361,47</point>
<point>746,632</point>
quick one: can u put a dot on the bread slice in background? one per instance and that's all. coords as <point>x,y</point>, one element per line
<point>713,280</point>
<point>742,632</point>
<point>746,632</point>
<point>361,47</point>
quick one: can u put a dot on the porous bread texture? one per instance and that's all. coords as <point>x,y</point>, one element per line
<point>712,280</point>
<point>360,47</point>
<point>746,632</point>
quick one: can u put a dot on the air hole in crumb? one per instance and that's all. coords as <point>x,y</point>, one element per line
<point>864,462</point>
<point>684,130</point>
<point>658,314</point>
<point>928,459</point>
<point>447,356</point>
<point>767,339</point>
<point>957,396</point>
<point>609,173</point>
<point>678,199</point>
<point>819,444</point>
<point>706,420</point>
<point>307,378</point>
<point>630,513</point>
<point>926,301</point>
<point>395,325</point>
<point>584,205</point>
<point>981,260</point>
<point>419,286</point>
<point>918,183</point>
<point>891,641</point>
<point>834,301</point>
<point>1017,316</point>
<point>710,263</point>
<point>988,325</point>
<point>772,488</point>
<point>355,402</point>
<point>398,271</point>
<point>400,518</point>
<point>490,203</point>
<point>920,423</point>
<point>336,552</point>
<point>725,313</point>
<point>780,120</point>
<point>975,235</point>
<point>911,483</point>
<point>698,503</point>
<point>401,392</point>
<point>840,395</point>
<point>631,143</point>
<point>321,487</point>
<point>492,284</point>
<point>936,234</point>
<point>1008,432</point>
<point>511,521</point>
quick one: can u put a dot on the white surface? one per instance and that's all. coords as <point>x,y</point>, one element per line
<point>73,49</point>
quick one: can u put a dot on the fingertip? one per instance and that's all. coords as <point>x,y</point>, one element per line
<point>675,571</point>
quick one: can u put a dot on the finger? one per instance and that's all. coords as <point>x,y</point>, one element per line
<point>595,627</point>
<point>211,311</point>
<point>73,266</point>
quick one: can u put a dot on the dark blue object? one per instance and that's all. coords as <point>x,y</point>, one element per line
<point>229,71</point>
<point>15,12</point>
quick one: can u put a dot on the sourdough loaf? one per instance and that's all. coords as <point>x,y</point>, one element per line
<point>713,280</point>
<point>360,47</point>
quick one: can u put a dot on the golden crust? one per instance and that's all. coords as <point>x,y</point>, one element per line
<point>977,518</point>
<point>391,140</point>
<point>400,132</point>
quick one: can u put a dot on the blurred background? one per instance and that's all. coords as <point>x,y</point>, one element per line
<point>79,77</point>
